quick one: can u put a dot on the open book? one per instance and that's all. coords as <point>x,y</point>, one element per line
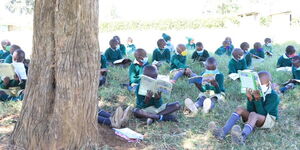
<point>234,76</point>
<point>204,79</point>
<point>250,80</point>
<point>291,81</point>
<point>7,70</point>
<point>285,69</point>
<point>129,135</point>
<point>161,84</point>
<point>122,61</point>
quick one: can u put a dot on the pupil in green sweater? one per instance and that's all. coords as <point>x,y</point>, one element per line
<point>285,59</point>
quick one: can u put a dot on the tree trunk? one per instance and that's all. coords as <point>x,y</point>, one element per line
<point>59,110</point>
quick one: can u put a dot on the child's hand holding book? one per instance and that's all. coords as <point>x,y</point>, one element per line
<point>148,96</point>
<point>157,95</point>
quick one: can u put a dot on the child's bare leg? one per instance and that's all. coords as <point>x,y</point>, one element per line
<point>255,119</point>
<point>142,114</point>
<point>170,108</point>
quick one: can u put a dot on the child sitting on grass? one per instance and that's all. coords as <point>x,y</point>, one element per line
<point>200,54</point>
<point>296,75</point>
<point>169,45</point>
<point>178,64</point>
<point>117,120</point>
<point>224,49</point>
<point>9,58</point>
<point>245,46</point>
<point>268,48</point>
<point>121,46</point>
<point>136,68</point>
<point>130,48</point>
<point>238,62</point>
<point>261,112</point>
<point>103,70</point>
<point>257,52</point>
<point>5,50</point>
<point>113,53</point>
<point>190,46</point>
<point>211,89</point>
<point>286,59</point>
<point>151,106</point>
<point>161,54</point>
<point>230,42</point>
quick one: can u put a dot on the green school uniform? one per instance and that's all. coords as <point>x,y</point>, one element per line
<point>223,50</point>
<point>267,48</point>
<point>200,56</point>
<point>135,72</point>
<point>190,47</point>
<point>296,73</point>
<point>12,83</point>
<point>178,62</point>
<point>130,48</point>
<point>220,79</point>
<point>103,62</point>
<point>248,59</point>
<point>112,55</point>
<point>4,54</point>
<point>161,55</point>
<point>259,53</point>
<point>267,106</point>
<point>284,61</point>
<point>235,65</point>
<point>140,101</point>
<point>123,50</point>
<point>8,59</point>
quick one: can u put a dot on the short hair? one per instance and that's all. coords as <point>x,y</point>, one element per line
<point>150,69</point>
<point>265,73</point>
<point>267,40</point>
<point>179,46</point>
<point>211,60</point>
<point>257,44</point>
<point>5,43</point>
<point>158,41</point>
<point>20,54</point>
<point>117,38</point>
<point>296,59</point>
<point>290,50</point>
<point>139,50</point>
<point>226,42</point>
<point>243,45</point>
<point>237,50</point>
<point>13,48</point>
<point>112,41</point>
<point>199,44</point>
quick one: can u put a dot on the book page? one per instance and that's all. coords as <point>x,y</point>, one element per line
<point>7,70</point>
<point>118,61</point>
<point>164,86</point>
<point>234,76</point>
<point>285,69</point>
<point>147,83</point>
<point>247,81</point>
<point>206,77</point>
<point>129,133</point>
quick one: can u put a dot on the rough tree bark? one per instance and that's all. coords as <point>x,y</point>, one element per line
<point>59,110</point>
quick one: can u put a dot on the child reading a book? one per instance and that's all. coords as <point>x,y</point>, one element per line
<point>178,64</point>
<point>161,54</point>
<point>190,46</point>
<point>211,88</point>
<point>9,58</point>
<point>245,46</point>
<point>286,59</point>
<point>169,45</point>
<point>230,41</point>
<point>224,49</point>
<point>261,112</point>
<point>200,54</point>
<point>136,68</point>
<point>116,120</point>
<point>268,46</point>
<point>113,53</point>
<point>130,47</point>
<point>238,62</point>
<point>296,75</point>
<point>121,46</point>
<point>151,106</point>
<point>257,52</point>
<point>103,70</point>
<point>5,44</point>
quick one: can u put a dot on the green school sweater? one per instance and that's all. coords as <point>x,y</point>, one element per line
<point>112,55</point>
<point>12,83</point>
<point>123,50</point>
<point>178,61</point>
<point>220,79</point>
<point>140,101</point>
<point>190,47</point>
<point>200,57</point>
<point>234,65</point>
<point>267,106</point>
<point>223,50</point>
<point>267,48</point>
<point>103,62</point>
<point>284,61</point>
<point>259,53</point>
<point>296,73</point>
<point>161,55</point>
<point>248,59</point>
<point>8,59</point>
<point>135,72</point>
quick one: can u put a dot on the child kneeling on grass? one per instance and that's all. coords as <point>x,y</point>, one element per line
<point>151,106</point>
<point>211,89</point>
<point>178,64</point>
<point>296,75</point>
<point>117,120</point>
<point>261,112</point>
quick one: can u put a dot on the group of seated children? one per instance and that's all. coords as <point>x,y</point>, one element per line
<point>11,88</point>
